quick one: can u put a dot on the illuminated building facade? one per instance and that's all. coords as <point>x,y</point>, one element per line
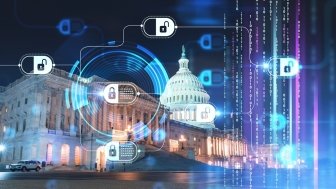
<point>189,137</point>
<point>37,122</point>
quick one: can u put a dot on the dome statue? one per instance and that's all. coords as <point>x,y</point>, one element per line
<point>183,92</point>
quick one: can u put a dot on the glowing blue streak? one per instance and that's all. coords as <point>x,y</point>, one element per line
<point>78,96</point>
<point>153,69</point>
<point>66,93</point>
<point>129,53</point>
<point>146,51</point>
<point>73,68</point>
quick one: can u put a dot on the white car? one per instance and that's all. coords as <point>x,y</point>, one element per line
<point>25,165</point>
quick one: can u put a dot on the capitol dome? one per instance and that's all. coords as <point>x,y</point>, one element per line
<point>183,91</point>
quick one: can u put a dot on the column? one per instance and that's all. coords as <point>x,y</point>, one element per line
<point>40,99</point>
<point>216,149</point>
<point>43,111</point>
<point>105,117</point>
<point>223,147</point>
<point>59,96</point>
<point>98,121</point>
<point>95,117</point>
<point>220,147</point>
<point>156,122</point>
<point>230,147</point>
<point>212,146</point>
<point>125,116</point>
<point>72,123</point>
<point>80,128</point>
<point>209,146</point>
<point>236,144</point>
<point>167,127</point>
<point>150,126</point>
<point>142,119</point>
<point>217,146</point>
<point>133,116</point>
<point>115,117</point>
<point>240,149</point>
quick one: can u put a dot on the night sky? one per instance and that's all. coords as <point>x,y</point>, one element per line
<point>30,27</point>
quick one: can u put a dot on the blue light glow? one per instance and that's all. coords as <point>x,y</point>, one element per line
<point>206,77</point>
<point>36,109</point>
<point>156,72</point>
<point>205,42</point>
<point>140,131</point>
<point>265,66</point>
<point>150,161</point>
<point>278,122</point>
<point>287,156</point>
<point>78,96</point>
<point>2,147</point>
<point>69,26</point>
<point>159,135</point>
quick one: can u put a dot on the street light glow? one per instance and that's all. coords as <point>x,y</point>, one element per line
<point>2,147</point>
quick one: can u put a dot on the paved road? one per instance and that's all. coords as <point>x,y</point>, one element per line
<point>134,180</point>
<point>177,177</point>
<point>160,180</point>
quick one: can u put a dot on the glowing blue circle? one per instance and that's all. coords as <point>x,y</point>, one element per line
<point>155,70</point>
<point>287,156</point>
<point>278,122</point>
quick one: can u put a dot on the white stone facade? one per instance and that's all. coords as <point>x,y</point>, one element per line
<point>35,123</point>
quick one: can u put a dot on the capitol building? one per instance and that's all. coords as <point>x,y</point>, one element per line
<point>37,123</point>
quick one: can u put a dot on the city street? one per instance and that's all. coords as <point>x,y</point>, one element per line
<point>74,180</point>
<point>159,180</point>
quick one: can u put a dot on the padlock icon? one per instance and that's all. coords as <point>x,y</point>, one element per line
<point>40,67</point>
<point>112,151</point>
<point>112,93</point>
<point>163,29</point>
<point>205,114</point>
<point>287,68</point>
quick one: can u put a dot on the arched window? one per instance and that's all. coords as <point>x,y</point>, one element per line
<point>186,97</point>
<point>65,152</point>
<point>49,153</point>
<point>195,98</point>
<point>77,155</point>
<point>173,98</point>
<point>182,97</point>
<point>178,98</point>
<point>100,158</point>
